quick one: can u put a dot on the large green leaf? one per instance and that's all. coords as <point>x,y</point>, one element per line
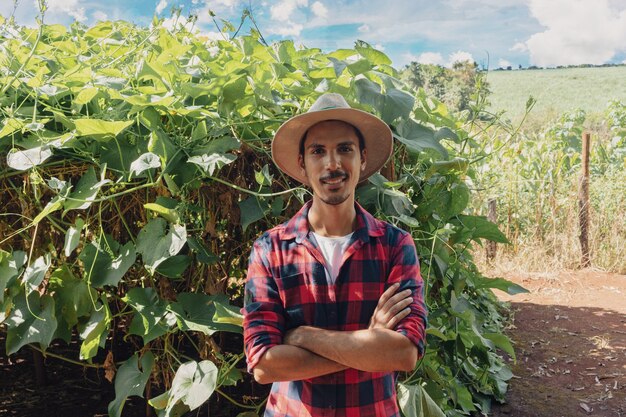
<point>192,386</point>
<point>105,261</point>
<point>95,330</point>
<point>130,380</point>
<point>415,402</point>
<point>213,162</point>
<point>9,269</point>
<point>72,236</point>
<point>85,192</point>
<point>31,321</point>
<point>100,129</point>
<point>72,296</point>
<point>156,244</point>
<point>150,319</point>
<point>417,137</point>
<point>500,284</point>
<point>35,272</point>
<point>481,228</point>
<point>374,56</point>
<point>252,209</point>
<point>198,312</point>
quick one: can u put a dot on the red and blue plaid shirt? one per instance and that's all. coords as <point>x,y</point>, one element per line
<point>287,287</point>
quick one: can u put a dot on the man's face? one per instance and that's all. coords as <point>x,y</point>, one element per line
<point>332,161</point>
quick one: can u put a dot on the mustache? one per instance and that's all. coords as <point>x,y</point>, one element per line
<point>333,175</point>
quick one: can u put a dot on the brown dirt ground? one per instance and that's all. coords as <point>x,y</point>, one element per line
<point>570,339</point>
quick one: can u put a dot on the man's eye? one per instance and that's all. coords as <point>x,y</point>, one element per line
<point>317,151</point>
<point>346,149</point>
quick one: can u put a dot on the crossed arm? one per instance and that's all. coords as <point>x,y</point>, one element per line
<point>308,352</point>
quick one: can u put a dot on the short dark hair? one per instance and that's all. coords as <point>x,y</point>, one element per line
<point>358,133</point>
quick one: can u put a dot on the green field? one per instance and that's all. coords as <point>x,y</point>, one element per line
<point>556,90</point>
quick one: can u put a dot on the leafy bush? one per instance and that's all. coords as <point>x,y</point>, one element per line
<point>137,175</point>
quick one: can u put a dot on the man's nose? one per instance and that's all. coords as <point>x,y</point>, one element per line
<point>333,161</point>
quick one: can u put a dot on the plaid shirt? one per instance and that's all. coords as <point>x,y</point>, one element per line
<point>287,288</point>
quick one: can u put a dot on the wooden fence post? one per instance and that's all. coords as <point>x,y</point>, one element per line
<point>492,216</point>
<point>583,202</point>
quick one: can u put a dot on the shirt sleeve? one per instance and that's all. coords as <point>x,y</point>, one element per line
<point>405,269</point>
<point>263,317</point>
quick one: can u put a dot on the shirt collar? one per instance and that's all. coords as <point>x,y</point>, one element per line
<point>366,224</point>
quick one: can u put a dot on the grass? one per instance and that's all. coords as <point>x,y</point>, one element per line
<point>556,91</point>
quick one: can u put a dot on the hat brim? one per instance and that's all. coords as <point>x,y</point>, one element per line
<point>376,134</point>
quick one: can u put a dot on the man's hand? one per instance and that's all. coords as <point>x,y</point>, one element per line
<point>391,308</point>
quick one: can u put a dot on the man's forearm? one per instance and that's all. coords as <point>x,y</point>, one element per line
<point>292,363</point>
<point>371,350</point>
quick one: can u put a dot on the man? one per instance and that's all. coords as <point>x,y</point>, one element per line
<point>333,300</point>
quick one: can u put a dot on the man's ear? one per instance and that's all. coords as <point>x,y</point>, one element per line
<point>363,159</point>
<point>301,164</point>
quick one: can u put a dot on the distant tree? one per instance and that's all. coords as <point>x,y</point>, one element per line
<point>456,86</point>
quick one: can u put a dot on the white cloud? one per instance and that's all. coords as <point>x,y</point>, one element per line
<point>431,58</point>
<point>99,15</point>
<point>319,10</point>
<point>503,63</point>
<point>519,47</point>
<point>379,47</point>
<point>288,29</point>
<point>161,6</point>
<point>68,7</point>
<point>459,56</point>
<point>283,10</point>
<point>364,28</point>
<point>577,32</point>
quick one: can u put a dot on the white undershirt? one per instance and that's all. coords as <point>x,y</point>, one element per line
<point>333,249</point>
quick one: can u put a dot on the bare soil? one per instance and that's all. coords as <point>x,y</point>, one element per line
<point>570,339</point>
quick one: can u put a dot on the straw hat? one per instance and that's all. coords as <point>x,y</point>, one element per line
<point>331,106</point>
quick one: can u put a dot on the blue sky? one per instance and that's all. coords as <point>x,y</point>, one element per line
<point>497,33</point>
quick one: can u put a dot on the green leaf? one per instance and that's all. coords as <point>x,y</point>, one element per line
<point>72,236</point>
<point>130,380</point>
<point>105,261</point>
<point>500,284</point>
<point>171,215</point>
<point>502,342</point>
<point>30,322</point>
<point>372,55</point>
<point>213,162</point>
<point>175,266</point>
<point>22,160</point>
<point>100,129</point>
<point>416,137</point>
<point>225,313</point>
<point>72,296</point>
<point>149,322</point>
<point>481,228</point>
<point>196,312</point>
<point>193,384</point>
<point>10,126</point>
<point>202,253</point>
<point>415,402</point>
<point>263,177</point>
<point>155,244</point>
<point>95,331</point>
<point>398,104</point>
<point>85,96</point>
<point>145,162</point>
<point>35,272</point>
<point>252,209</point>
<point>161,145</point>
<point>8,271</point>
<point>85,192</point>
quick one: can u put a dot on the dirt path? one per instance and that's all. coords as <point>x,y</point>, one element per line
<point>570,335</point>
